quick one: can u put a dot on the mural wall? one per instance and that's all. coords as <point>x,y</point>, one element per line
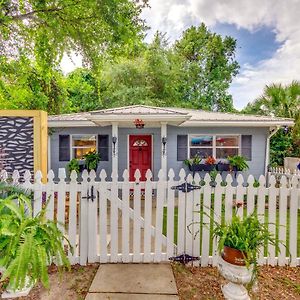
<point>16,143</point>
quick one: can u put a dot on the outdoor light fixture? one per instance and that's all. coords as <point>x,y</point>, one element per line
<point>114,141</point>
<point>139,123</point>
<point>164,142</point>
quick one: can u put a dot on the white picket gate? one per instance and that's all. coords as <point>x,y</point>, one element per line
<point>109,221</point>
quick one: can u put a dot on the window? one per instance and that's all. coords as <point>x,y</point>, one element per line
<point>140,143</point>
<point>64,147</point>
<point>82,144</point>
<point>201,145</point>
<point>219,146</point>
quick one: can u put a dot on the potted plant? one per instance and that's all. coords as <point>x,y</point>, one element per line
<point>91,160</point>
<point>237,163</point>
<point>27,244</point>
<point>209,164</point>
<point>73,165</point>
<point>213,174</point>
<point>194,164</point>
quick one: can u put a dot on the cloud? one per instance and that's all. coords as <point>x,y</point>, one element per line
<point>283,16</point>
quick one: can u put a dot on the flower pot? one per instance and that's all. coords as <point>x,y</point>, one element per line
<point>233,256</point>
<point>223,167</point>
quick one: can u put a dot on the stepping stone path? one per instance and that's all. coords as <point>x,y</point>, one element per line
<point>133,281</point>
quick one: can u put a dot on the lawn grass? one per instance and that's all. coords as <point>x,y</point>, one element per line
<point>223,216</point>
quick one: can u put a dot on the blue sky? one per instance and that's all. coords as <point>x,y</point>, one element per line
<point>267,33</point>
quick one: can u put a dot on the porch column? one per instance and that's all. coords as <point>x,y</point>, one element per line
<point>164,147</point>
<point>114,148</point>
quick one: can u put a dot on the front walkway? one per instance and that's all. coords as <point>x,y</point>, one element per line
<point>133,281</point>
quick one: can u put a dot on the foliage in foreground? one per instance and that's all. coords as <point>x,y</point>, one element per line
<point>28,244</point>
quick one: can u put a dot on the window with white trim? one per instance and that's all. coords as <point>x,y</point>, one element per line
<point>218,146</point>
<point>82,144</point>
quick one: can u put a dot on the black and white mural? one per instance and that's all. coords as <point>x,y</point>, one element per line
<point>16,144</point>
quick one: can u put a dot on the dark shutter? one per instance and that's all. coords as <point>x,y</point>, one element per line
<point>64,147</point>
<point>103,146</point>
<point>182,147</point>
<point>247,146</point>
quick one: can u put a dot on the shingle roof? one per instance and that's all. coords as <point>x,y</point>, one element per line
<point>192,115</point>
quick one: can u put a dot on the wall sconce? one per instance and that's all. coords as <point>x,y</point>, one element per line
<point>114,141</point>
<point>164,142</point>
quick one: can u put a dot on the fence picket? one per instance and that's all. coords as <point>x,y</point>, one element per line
<point>206,221</point>
<point>38,194</point>
<point>240,192</point>
<point>228,198</point>
<point>261,195</point>
<point>251,191</point>
<point>159,215</point>
<point>282,220</point>
<point>50,195</point>
<point>103,216</point>
<point>181,216</point>
<point>137,216</point>
<point>189,217</point>
<point>170,214</point>
<point>125,217</point>
<point>114,231</point>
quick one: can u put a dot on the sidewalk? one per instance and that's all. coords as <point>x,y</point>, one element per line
<point>133,281</point>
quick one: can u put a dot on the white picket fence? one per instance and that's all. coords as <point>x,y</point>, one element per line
<point>107,220</point>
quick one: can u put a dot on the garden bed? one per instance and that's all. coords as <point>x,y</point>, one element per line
<point>204,283</point>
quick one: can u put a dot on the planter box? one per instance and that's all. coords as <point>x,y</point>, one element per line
<point>223,167</point>
<point>201,167</point>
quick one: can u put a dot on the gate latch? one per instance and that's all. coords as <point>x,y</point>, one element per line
<point>186,187</point>
<point>90,196</point>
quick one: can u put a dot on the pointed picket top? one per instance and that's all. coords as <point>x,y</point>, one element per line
<point>171,174</point>
<point>218,179</point>
<point>272,181</point>
<point>125,175</point>
<point>148,175</point>
<point>26,176</point>
<point>15,176</point>
<point>161,175</point>
<point>182,174</point>
<point>197,178</point>
<point>250,180</point>
<point>92,175</point>
<point>283,181</point>
<point>189,178</point>
<point>229,179</point>
<point>103,175</point>
<point>262,181</point>
<point>73,176</point>
<point>294,182</point>
<point>85,175</point>
<point>137,175</point>
<point>207,179</point>
<point>38,177</point>
<point>114,176</point>
<point>50,176</point>
<point>240,180</point>
<point>3,175</point>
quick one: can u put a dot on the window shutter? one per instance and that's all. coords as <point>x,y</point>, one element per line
<point>103,146</point>
<point>64,147</point>
<point>182,147</point>
<point>247,146</point>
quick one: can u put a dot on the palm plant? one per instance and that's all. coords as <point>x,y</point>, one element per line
<point>27,244</point>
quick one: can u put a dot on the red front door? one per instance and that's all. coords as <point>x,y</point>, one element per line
<point>140,156</point>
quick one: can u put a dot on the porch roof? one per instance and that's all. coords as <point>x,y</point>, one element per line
<point>154,116</point>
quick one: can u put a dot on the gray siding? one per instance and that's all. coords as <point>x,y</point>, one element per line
<point>259,136</point>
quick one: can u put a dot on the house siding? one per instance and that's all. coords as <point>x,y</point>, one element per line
<point>259,137</point>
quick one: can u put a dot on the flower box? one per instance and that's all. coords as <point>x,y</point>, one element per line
<point>201,167</point>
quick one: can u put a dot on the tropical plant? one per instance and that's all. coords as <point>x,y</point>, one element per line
<point>92,159</point>
<point>196,160</point>
<point>73,165</point>
<point>27,244</point>
<point>239,162</point>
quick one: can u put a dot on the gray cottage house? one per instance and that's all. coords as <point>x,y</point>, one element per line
<point>145,137</point>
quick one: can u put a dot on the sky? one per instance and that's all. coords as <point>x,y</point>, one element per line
<point>267,33</point>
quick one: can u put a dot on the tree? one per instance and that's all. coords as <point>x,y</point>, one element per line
<point>82,88</point>
<point>45,30</point>
<point>280,101</point>
<point>208,66</point>
<point>150,78</point>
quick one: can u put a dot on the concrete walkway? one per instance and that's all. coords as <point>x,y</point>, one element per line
<point>133,281</point>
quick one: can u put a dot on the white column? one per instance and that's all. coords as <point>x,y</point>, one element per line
<point>163,153</point>
<point>115,152</point>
